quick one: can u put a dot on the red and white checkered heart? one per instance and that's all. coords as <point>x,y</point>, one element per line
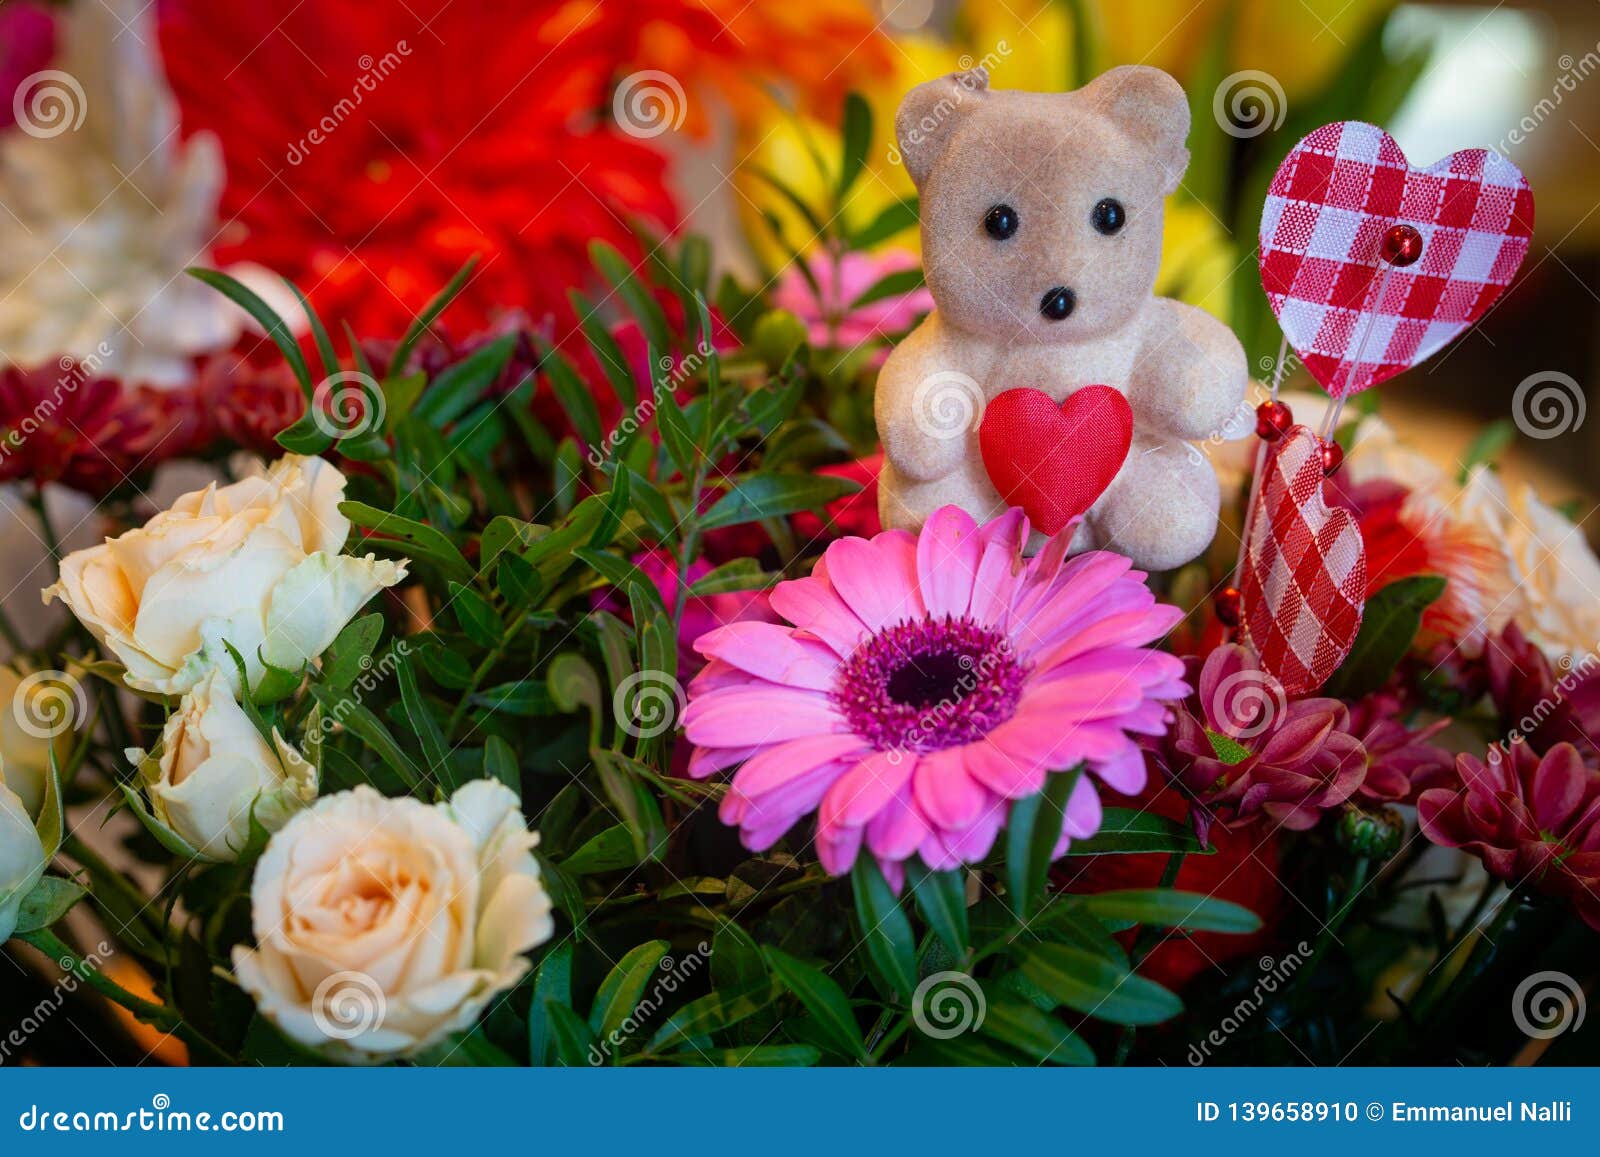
<point>1331,202</point>
<point>1305,570</point>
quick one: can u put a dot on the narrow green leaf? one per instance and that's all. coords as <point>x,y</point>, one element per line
<point>857,136</point>
<point>459,387</point>
<point>265,316</point>
<point>575,1045</point>
<point>742,574</point>
<point>1123,830</point>
<point>893,220</point>
<point>640,302</point>
<point>477,618</point>
<point>1168,909</point>
<point>759,496</point>
<point>608,851</point>
<point>942,900</point>
<point>423,722</point>
<point>1095,986</point>
<point>429,314</point>
<point>896,284</point>
<point>409,537</point>
<point>624,986</point>
<point>552,984</point>
<point>1031,836</point>
<point>885,929</point>
<point>500,764</point>
<point>51,898</point>
<point>1034,1032</point>
<point>711,1013</point>
<point>823,999</point>
<point>1389,624</point>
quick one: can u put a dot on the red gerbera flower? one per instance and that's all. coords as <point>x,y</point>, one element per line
<point>372,148</point>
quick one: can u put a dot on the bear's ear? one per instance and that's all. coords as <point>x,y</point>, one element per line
<point>1152,110</point>
<point>930,112</point>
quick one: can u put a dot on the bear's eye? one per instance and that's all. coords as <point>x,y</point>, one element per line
<point>1001,222</point>
<point>1108,216</point>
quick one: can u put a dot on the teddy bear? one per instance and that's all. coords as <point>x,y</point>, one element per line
<point>1041,236</point>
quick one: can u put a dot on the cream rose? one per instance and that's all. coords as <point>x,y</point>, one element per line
<point>38,712</point>
<point>383,925</point>
<point>22,858</point>
<point>1557,596</point>
<point>255,564</point>
<point>212,768</point>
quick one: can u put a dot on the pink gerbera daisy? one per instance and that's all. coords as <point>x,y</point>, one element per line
<point>926,683</point>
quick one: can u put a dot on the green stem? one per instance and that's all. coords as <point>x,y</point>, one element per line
<point>1330,931</point>
<point>12,636</point>
<point>164,1018</point>
<point>52,543</point>
<point>482,673</point>
<point>1478,960</point>
<point>1144,944</point>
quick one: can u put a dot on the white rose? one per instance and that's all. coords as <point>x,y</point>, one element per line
<point>1557,599</point>
<point>213,767</point>
<point>255,564</point>
<point>383,925</point>
<point>36,715</point>
<point>22,858</point>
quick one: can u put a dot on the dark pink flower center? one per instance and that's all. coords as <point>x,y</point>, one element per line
<point>928,684</point>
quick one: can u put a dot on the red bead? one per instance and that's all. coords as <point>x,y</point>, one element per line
<point>1273,420</point>
<point>1227,606</point>
<point>1332,458</point>
<point>1402,246</point>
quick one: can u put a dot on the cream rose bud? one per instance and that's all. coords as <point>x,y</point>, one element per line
<point>213,767</point>
<point>255,564</point>
<point>383,925</point>
<point>38,712</point>
<point>22,859</point>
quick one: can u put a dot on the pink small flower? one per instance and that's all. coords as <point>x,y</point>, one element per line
<point>1245,750</point>
<point>1535,702</point>
<point>922,683</point>
<point>27,42</point>
<point>1533,820</point>
<point>831,322</point>
<point>1400,760</point>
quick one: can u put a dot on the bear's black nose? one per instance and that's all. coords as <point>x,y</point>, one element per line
<point>1058,302</point>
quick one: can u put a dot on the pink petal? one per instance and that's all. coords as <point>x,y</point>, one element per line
<point>895,832</point>
<point>992,765</point>
<point>710,760</point>
<point>877,579</point>
<point>759,714</point>
<point>837,849</point>
<point>774,653</point>
<point>866,789</point>
<point>774,767</point>
<point>1083,815</point>
<point>812,605</point>
<point>947,559</point>
<point>947,795</point>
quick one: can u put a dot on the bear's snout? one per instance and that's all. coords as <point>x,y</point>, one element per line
<point>1057,303</point>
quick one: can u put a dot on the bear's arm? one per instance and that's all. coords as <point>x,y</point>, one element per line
<point>926,406</point>
<point>1189,377</point>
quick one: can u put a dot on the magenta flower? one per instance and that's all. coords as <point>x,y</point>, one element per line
<point>27,42</point>
<point>1243,749</point>
<point>830,321</point>
<point>1535,701</point>
<point>1400,760</point>
<point>1532,819</point>
<point>924,683</point>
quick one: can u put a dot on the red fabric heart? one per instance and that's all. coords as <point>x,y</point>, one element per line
<point>1326,212</point>
<point>1054,461</point>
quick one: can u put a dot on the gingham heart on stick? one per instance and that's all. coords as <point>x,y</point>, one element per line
<point>1305,569</point>
<point>1327,210</point>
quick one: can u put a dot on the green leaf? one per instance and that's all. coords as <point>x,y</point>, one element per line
<point>459,387</point>
<point>1031,836</point>
<point>51,825</point>
<point>350,652</point>
<point>400,396</point>
<point>319,332</point>
<point>711,1013</point>
<point>409,537</point>
<point>49,900</point>
<point>434,745</point>
<point>1227,749</point>
<point>576,400</point>
<point>635,803</point>
<point>477,618</point>
<point>885,929</point>
<point>759,496</point>
<point>675,434</point>
<point>742,574</point>
<point>1123,830</point>
<point>624,986</point>
<point>652,504</point>
<point>500,764</point>
<point>1165,908</point>
<point>553,984</point>
<point>1389,624</point>
<point>942,900</point>
<point>367,727</point>
<point>896,284</point>
<point>605,349</point>
<point>823,999</point>
<point>429,314</point>
<point>524,697</point>
<point>1034,1032</point>
<point>857,135</point>
<point>750,1057</point>
<point>575,1044</point>
<point>506,533</point>
<point>640,302</point>
<point>736,960</point>
<point>518,582</point>
<point>1492,441</point>
<point>265,316</point>
<point>1096,986</point>
<point>607,852</point>
<point>894,219</point>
